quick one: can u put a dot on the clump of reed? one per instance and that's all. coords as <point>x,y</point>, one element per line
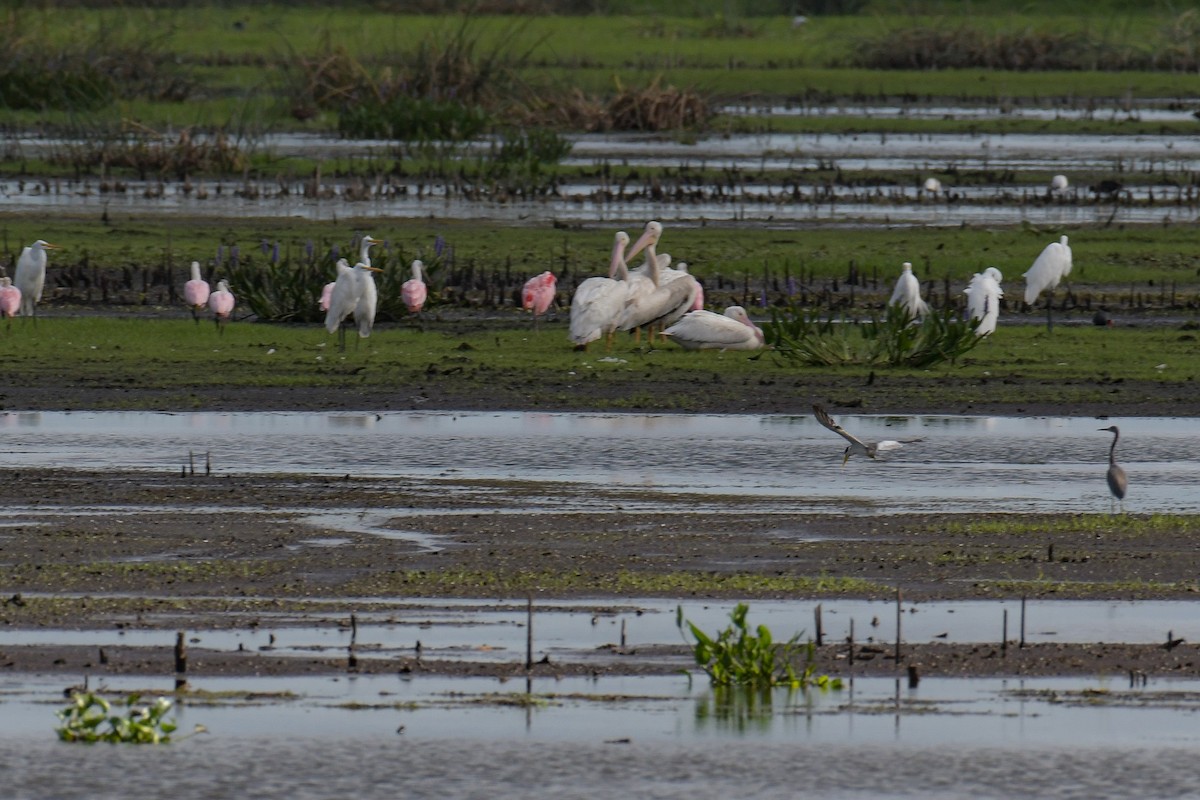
<point>88,74</point>
<point>149,154</point>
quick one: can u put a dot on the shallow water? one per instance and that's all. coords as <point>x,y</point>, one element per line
<point>959,464</point>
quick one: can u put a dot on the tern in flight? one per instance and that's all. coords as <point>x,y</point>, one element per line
<point>857,446</point>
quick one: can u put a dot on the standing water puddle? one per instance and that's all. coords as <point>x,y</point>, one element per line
<point>959,464</point>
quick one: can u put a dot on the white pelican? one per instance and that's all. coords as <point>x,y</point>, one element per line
<point>665,301</point>
<point>1050,267</point>
<point>30,276</point>
<point>196,292</point>
<point>413,291</point>
<point>599,303</point>
<point>221,303</point>
<point>707,330</point>
<point>907,293</point>
<point>983,300</point>
<point>857,447</point>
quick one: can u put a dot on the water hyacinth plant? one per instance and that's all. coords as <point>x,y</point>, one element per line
<point>739,656</point>
<point>90,719</point>
<point>897,340</point>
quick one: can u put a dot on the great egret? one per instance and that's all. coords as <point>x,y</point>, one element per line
<point>364,249</point>
<point>707,330</point>
<point>598,303</point>
<point>347,298</point>
<point>10,299</point>
<point>538,294</point>
<point>983,300</point>
<point>857,447</point>
<point>413,291</point>
<point>327,290</point>
<point>1117,484</point>
<point>30,276</point>
<point>221,303</point>
<point>368,297</point>
<point>907,293</point>
<point>663,302</point>
<point>196,292</point>
<point>1050,267</point>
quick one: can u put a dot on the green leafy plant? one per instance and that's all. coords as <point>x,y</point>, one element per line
<point>90,719</point>
<point>739,656</point>
<point>896,340</point>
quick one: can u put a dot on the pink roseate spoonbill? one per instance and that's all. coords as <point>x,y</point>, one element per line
<point>30,276</point>
<point>10,299</point>
<point>413,291</point>
<point>1117,484</point>
<point>857,447</point>
<point>907,293</point>
<point>327,290</point>
<point>196,292</point>
<point>1050,267</point>
<point>698,303</point>
<point>221,303</point>
<point>662,303</point>
<point>599,302</point>
<point>707,330</point>
<point>537,294</point>
<point>983,300</point>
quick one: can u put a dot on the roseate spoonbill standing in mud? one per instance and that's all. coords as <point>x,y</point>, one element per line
<point>538,294</point>
<point>196,292</point>
<point>221,303</point>
<point>413,291</point>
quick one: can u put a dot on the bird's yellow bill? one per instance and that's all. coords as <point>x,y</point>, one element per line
<point>845,457</point>
<point>373,269</point>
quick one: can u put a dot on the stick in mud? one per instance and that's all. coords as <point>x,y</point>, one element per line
<point>529,634</point>
<point>899,599</point>
<point>820,632</point>
<point>850,642</point>
<point>180,661</point>
<point>1022,622</point>
<point>351,658</point>
<point>1004,634</point>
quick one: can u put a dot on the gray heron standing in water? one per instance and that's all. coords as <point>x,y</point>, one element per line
<point>1117,484</point>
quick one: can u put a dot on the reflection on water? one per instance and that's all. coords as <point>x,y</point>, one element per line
<point>967,464</point>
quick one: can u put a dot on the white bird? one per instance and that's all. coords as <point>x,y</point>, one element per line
<point>663,302</point>
<point>326,300</point>
<point>707,330</point>
<point>598,303</point>
<point>1059,184</point>
<point>346,297</point>
<point>364,249</point>
<point>196,292</point>
<point>983,300</point>
<point>857,446</point>
<point>368,300</point>
<point>907,294</point>
<point>30,276</point>
<point>933,186</point>
<point>1048,269</point>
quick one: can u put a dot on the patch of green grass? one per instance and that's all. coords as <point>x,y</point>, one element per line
<point>1123,524</point>
<point>1130,589</point>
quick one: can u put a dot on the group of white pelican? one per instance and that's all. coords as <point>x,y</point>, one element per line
<point>983,291</point>
<point>656,297</point>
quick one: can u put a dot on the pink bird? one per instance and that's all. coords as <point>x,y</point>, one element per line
<point>326,294</point>
<point>221,303</point>
<point>413,291</point>
<point>538,294</point>
<point>10,298</point>
<point>196,292</point>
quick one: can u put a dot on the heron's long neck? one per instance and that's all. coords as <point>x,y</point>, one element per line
<point>1112,450</point>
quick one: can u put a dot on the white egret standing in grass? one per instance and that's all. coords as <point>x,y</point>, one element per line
<point>707,330</point>
<point>599,302</point>
<point>196,292</point>
<point>221,303</point>
<point>347,298</point>
<point>30,276</point>
<point>857,447</point>
<point>983,300</point>
<point>907,294</point>
<point>1117,484</point>
<point>1048,269</point>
